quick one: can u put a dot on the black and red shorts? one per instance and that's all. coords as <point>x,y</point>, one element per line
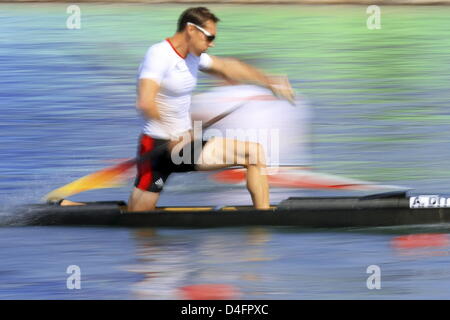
<point>153,173</point>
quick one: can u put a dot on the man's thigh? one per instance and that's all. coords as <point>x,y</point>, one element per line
<point>221,153</point>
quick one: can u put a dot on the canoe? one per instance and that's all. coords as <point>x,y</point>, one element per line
<point>384,209</point>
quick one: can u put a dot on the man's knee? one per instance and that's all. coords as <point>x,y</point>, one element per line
<point>255,154</point>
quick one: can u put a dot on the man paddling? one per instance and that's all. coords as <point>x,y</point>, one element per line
<point>167,78</point>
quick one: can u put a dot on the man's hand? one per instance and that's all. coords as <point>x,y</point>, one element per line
<point>281,88</point>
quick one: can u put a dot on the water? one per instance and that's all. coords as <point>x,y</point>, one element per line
<point>379,101</point>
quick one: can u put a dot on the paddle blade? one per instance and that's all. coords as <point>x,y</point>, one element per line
<point>292,177</point>
<point>107,178</point>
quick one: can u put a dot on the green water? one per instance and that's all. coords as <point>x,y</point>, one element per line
<point>372,90</point>
<point>380,112</point>
<point>386,88</point>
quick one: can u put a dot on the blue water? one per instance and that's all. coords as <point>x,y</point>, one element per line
<point>67,102</point>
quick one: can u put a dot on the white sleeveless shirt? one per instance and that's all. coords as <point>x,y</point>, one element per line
<point>177,78</point>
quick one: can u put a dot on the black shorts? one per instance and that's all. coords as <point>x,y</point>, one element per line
<point>153,173</point>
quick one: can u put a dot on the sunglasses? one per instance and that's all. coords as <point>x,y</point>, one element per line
<point>210,37</point>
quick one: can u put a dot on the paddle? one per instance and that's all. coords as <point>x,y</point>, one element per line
<point>112,176</point>
<point>301,178</point>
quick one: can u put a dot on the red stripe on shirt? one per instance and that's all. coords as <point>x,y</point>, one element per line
<point>176,51</point>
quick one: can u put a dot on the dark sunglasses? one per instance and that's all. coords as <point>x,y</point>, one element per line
<point>210,37</point>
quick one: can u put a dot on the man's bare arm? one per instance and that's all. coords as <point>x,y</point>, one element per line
<point>236,71</point>
<point>145,102</point>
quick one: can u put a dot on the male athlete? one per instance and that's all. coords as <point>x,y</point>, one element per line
<point>167,78</point>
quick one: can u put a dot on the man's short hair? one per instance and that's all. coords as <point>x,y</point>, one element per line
<point>197,15</point>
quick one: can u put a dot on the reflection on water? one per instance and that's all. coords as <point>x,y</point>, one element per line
<point>282,263</point>
<point>170,261</point>
<point>231,263</point>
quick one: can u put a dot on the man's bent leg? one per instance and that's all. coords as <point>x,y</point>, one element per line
<point>141,200</point>
<point>221,153</point>
<point>257,182</point>
<point>258,186</point>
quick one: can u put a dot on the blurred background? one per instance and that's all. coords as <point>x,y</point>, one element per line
<point>379,112</point>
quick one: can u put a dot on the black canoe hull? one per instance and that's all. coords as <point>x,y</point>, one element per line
<point>331,212</point>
